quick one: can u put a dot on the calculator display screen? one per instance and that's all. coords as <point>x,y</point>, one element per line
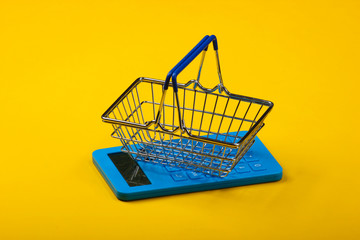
<point>129,169</point>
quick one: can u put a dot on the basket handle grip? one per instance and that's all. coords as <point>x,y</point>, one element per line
<point>202,46</point>
<point>186,61</point>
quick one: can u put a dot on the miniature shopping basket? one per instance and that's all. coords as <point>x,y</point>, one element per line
<point>205,130</point>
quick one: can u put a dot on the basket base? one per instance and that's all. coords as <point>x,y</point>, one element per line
<point>131,180</point>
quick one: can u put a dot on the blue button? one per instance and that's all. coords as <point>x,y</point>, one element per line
<point>257,166</point>
<point>242,168</point>
<point>242,160</point>
<point>195,175</point>
<point>172,169</point>
<point>251,157</point>
<point>179,177</point>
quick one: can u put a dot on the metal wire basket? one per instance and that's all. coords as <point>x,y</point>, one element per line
<point>194,128</point>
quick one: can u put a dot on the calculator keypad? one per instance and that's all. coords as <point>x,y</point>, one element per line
<point>249,163</point>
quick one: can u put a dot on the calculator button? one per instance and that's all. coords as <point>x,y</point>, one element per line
<point>250,157</point>
<point>179,177</point>
<point>172,169</point>
<point>242,168</point>
<point>195,175</point>
<point>242,160</point>
<point>257,167</point>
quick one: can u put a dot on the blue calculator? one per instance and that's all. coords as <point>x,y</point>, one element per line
<point>130,179</point>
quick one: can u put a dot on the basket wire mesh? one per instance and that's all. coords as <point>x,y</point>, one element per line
<point>204,130</point>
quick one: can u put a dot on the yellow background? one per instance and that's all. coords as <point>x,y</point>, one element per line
<point>62,63</point>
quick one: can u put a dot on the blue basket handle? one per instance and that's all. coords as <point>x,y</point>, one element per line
<point>202,45</point>
<point>168,77</point>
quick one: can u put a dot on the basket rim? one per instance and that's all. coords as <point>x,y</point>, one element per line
<point>250,133</point>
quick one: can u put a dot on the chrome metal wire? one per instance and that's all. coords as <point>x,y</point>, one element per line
<point>218,128</point>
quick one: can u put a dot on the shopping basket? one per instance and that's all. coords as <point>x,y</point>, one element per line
<point>197,128</point>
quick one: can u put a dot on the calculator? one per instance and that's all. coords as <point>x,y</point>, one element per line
<point>131,180</point>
